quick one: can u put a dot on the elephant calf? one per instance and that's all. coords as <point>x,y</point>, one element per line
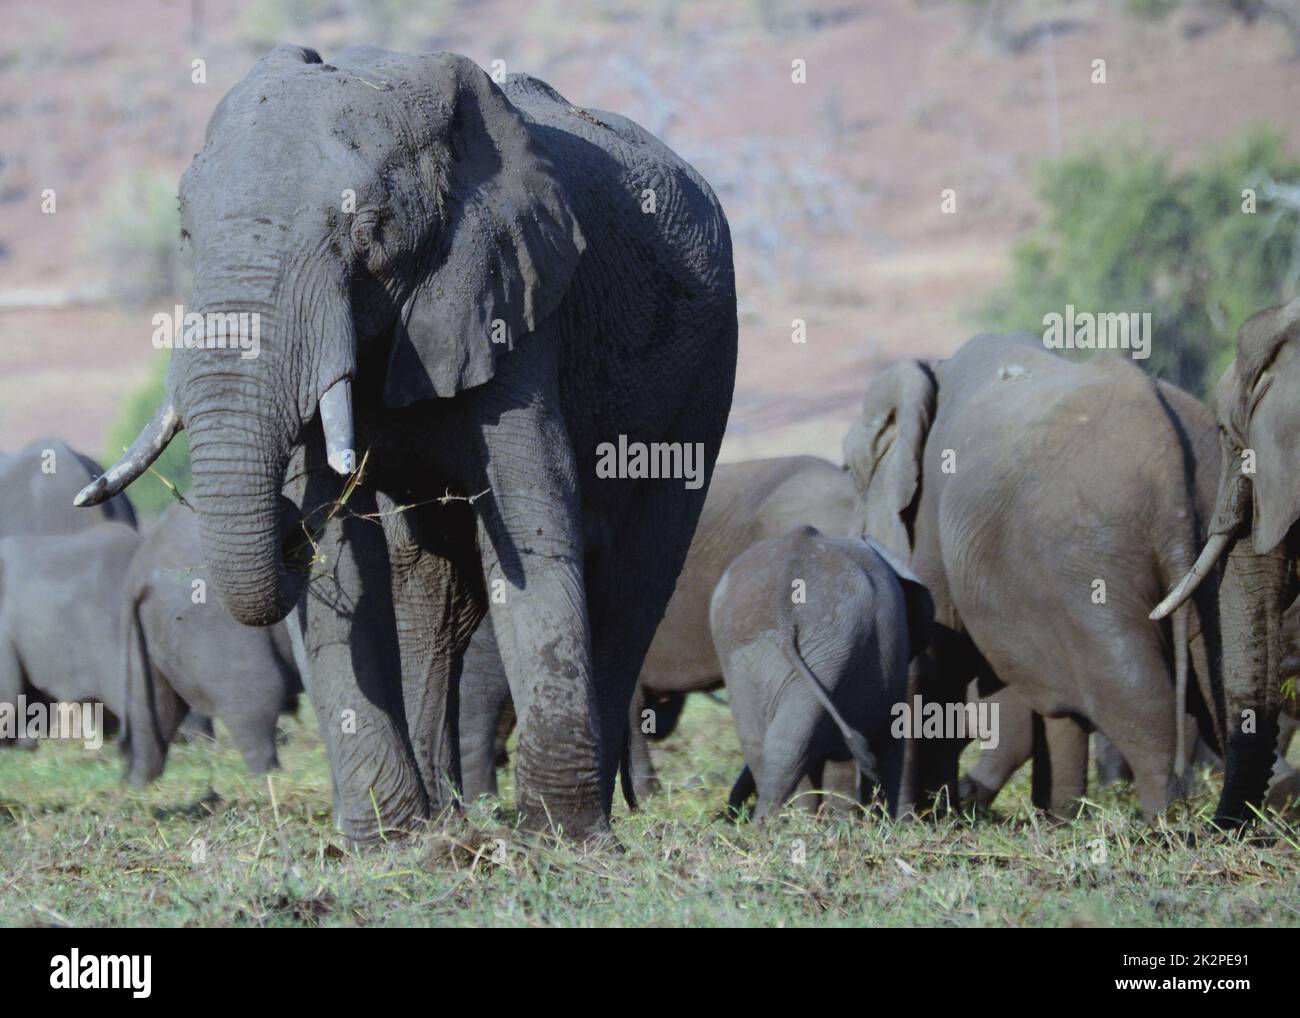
<point>107,615</point>
<point>815,635</point>
<point>748,502</point>
<point>60,630</point>
<point>185,652</point>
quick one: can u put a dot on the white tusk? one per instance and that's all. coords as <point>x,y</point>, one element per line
<point>1209,557</point>
<point>147,447</point>
<point>336,422</point>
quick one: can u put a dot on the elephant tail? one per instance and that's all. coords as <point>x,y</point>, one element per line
<point>135,656</point>
<point>141,742</point>
<point>1181,654</point>
<point>625,773</point>
<point>856,742</point>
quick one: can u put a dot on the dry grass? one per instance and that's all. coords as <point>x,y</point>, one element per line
<point>209,845</point>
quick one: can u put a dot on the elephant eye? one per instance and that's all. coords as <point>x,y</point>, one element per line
<point>365,235</point>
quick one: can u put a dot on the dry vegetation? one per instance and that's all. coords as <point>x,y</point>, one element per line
<point>211,845</point>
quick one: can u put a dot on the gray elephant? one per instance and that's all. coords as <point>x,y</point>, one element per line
<point>1044,502</point>
<point>815,634</point>
<point>1253,534</point>
<point>748,502</point>
<point>184,654</point>
<point>106,615</point>
<point>463,289</point>
<point>60,625</point>
<point>38,484</point>
<point>1024,733</point>
<point>1053,744</point>
<point>1283,785</point>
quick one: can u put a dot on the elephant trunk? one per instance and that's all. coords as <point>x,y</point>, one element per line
<point>1251,623</point>
<point>246,526</point>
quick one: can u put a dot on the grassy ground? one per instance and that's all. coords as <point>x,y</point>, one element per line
<point>211,845</point>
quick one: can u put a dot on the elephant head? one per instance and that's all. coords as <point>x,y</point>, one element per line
<point>883,451</point>
<point>1253,532</point>
<point>396,229</point>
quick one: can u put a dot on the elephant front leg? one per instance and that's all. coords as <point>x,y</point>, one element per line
<point>542,635</point>
<point>486,714</point>
<point>435,612</point>
<point>348,632</point>
<point>530,539</point>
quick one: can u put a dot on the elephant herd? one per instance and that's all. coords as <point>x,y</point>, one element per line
<point>92,609</point>
<point>465,474</point>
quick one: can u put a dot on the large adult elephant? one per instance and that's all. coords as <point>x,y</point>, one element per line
<point>751,501</point>
<point>1045,503</point>
<point>1020,730</point>
<point>1254,534</point>
<point>486,291</point>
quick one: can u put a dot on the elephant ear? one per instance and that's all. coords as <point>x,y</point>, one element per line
<point>507,239</point>
<point>920,605</point>
<point>1263,414</point>
<point>883,450</point>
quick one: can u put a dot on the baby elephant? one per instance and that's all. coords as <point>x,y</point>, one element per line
<point>184,652</point>
<point>815,635</point>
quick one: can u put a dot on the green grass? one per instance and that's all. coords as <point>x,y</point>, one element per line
<point>206,845</point>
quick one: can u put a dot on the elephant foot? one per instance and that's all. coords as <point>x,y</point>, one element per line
<point>1284,793</point>
<point>195,728</point>
<point>580,826</point>
<point>561,794</point>
<point>369,820</point>
<point>646,787</point>
<point>971,792</point>
<point>259,765</point>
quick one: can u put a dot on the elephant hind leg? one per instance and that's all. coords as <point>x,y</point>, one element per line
<point>997,764</point>
<point>645,554</point>
<point>253,730</point>
<point>787,757</point>
<point>1060,778</point>
<point>1135,711</point>
<point>12,682</point>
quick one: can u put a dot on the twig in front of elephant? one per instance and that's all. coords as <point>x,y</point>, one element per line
<point>275,806</point>
<point>340,504</point>
<point>441,500</point>
<point>313,536</point>
<point>175,491</point>
<point>379,820</point>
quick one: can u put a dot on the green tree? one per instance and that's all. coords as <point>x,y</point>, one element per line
<point>1124,231</point>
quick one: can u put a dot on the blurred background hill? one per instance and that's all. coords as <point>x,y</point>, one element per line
<point>1118,194</point>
